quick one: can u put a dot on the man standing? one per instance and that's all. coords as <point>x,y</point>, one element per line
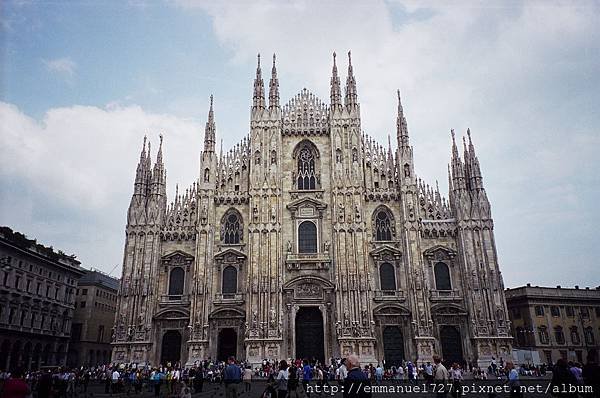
<point>232,376</point>
<point>440,376</point>
<point>356,381</point>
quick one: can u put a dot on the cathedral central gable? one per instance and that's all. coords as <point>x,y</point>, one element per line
<point>305,114</point>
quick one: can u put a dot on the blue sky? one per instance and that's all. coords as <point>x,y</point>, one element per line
<point>82,82</point>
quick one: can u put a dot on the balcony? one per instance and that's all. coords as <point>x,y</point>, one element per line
<point>308,261</point>
<point>178,299</point>
<point>229,298</point>
<point>445,295</point>
<point>389,295</point>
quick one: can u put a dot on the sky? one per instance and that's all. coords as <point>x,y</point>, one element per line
<point>82,82</point>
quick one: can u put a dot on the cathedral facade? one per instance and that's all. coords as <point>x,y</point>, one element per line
<point>310,240</point>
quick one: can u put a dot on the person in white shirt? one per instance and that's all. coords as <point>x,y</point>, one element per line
<point>343,371</point>
<point>440,375</point>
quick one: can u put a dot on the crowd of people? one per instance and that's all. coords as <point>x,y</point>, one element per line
<point>285,378</point>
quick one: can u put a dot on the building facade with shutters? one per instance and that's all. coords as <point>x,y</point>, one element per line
<point>37,296</point>
<point>93,319</point>
<point>556,322</point>
<point>309,239</point>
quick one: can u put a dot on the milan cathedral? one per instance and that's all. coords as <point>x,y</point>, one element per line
<point>308,239</point>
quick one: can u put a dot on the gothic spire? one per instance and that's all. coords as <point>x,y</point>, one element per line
<point>141,172</point>
<point>351,96</point>
<point>474,169</point>
<point>258,100</point>
<point>458,171</point>
<point>210,130</point>
<point>158,174</point>
<point>401,126</point>
<point>336,91</point>
<point>274,87</point>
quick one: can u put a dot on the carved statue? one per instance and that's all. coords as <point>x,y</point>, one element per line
<point>341,212</point>
<point>288,246</point>
<point>326,245</point>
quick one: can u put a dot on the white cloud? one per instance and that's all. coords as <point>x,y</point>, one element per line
<point>62,66</point>
<point>78,167</point>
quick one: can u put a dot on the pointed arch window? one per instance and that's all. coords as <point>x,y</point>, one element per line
<point>231,228</point>
<point>383,226</point>
<point>442,276</point>
<point>176,279</point>
<point>307,237</point>
<point>387,277</point>
<point>307,176</point>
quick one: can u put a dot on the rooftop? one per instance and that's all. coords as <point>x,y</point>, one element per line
<point>557,292</point>
<point>23,242</point>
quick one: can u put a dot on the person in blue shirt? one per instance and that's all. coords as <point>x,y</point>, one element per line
<point>306,376</point>
<point>232,376</point>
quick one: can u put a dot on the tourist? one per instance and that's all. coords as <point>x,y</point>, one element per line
<point>293,382</point>
<point>428,372</point>
<point>247,377</point>
<point>456,377</point>
<point>232,376</point>
<point>575,368</point>
<point>15,386</point>
<point>440,376</point>
<point>306,377</point>
<point>356,381</point>
<point>591,372</point>
<point>513,380</point>
<point>379,374</point>
<point>562,379</point>
<point>282,380</point>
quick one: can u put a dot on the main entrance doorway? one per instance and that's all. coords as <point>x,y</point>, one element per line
<point>171,347</point>
<point>451,344</point>
<point>227,344</point>
<point>393,346</point>
<point>309,334</point>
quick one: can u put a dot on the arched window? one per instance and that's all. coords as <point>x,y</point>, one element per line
<point>387,277</point>
<point>176,279</point>
<point>442,276</point>
<point>307,175</point>
<point>231,228</point>
<point>338,155</point>
<point>559,336</point>
<point>273,157</point>
<point>307,237</point>
<point>206,175</point>
<point>257,157</point>
<point>354,155</point>
<point>383,226</point>
<point>229,280</point>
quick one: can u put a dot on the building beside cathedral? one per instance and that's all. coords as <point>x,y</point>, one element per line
<point>309,239</point>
